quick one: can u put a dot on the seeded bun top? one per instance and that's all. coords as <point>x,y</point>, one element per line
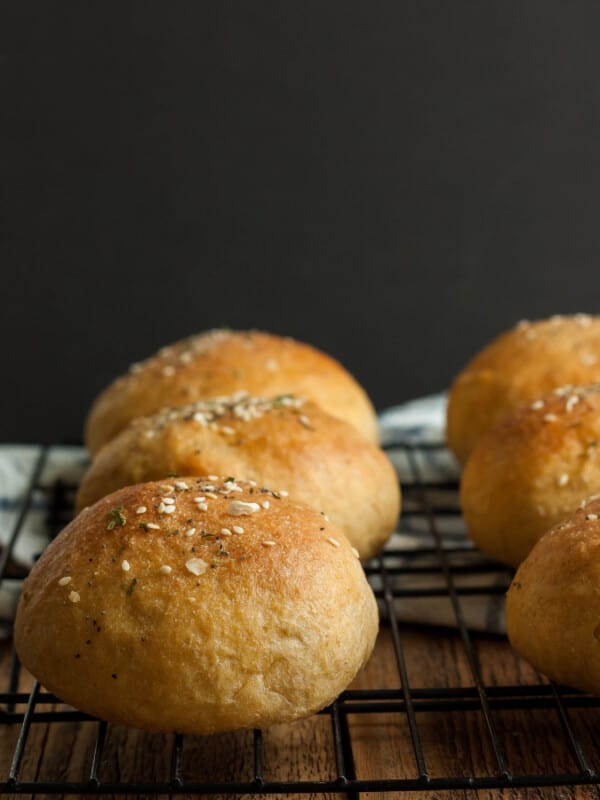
<point>531,470</point>
<point>553,604</point>
<point>284,441</point>
<point>222,362</point>
<point>197,605</point>
<point>520,366</point>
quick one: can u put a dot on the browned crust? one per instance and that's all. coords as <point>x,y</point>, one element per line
<point>221,363</point>
<point>275,626</point>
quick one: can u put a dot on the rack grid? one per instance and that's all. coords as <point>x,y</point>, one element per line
<point>404,726</point>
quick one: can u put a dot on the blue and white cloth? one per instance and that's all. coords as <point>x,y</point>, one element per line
<point>418,424</point>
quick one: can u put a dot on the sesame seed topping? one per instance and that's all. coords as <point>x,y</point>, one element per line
<point>168,371</point>
<point>166,569</point>
<point>125,565</point>
<point>537,405</point>
<point>166,487</point>
<point>74,597</point>
<point>201,506</point>
<point>64,581</point>
<point>265,504</point>
<point>190,531</point>
<point>213,477</point>
<point>572,401</point>
<point>283,493</point>
<point>550,417</point>
<point>239,508</point>
<point>591,516</point>
<point>226,429</point>
<point>225,532</point>
<point>355,552</point>
<point>563,479</point>
<point>199,499</point>
<point>237,529</point>
<point>168,509</point>
<point>181,485</point>
<point>196,566</point>
<point>141,510</point>
<point>269,543</point>
<point>153,526</point>
<point>333,541</point>
<point>168,501</point>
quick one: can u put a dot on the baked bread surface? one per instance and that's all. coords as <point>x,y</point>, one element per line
<point>531,470</point>
<point>240,609</point>
<point>222,362</point>
<point>521,365</point>
<point>283,441</point>
<point>553,604</point>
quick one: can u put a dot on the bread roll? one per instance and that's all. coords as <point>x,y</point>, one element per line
<point>222,362</point>
<point>286,441</point>
<point>519,366</point>
<point>531,470</point>
<point>160,610</point>
<point>553,604</point>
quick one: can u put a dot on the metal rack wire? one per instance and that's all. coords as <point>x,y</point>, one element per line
<point>440,569</point>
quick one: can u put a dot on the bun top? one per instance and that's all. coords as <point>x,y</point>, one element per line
<point>222,362</point>
<point>521,365</point>
<point>532,469</point>
<point>285,441</point>
<point>197,605</point>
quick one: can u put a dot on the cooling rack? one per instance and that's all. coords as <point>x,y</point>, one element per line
<point>437,708</point>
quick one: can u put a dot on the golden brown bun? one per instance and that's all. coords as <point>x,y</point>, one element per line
<point>553,604</point>
<point>519,366</point>
<point>222,362</point>
<point>531,470</point>
<point>320,460</point>
<point>214,630</point>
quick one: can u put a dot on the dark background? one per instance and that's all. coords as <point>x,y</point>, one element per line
<point>394,182</point>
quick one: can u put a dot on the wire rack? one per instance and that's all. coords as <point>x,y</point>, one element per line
<point>436,709</point>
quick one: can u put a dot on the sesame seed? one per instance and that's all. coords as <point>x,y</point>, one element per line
<point>125,566</point>
<point>269,543</point>
<point>168,501</point>
<point>141,510</point>
<point>201,506</point>
<point>589,359</point>
<point>168,371</point>
<point>190,531</point>
<point>181,485</point>
<point>64,581</point>
<point>199,499</point>
<point>212,495</point>
<point>166,569</point>
<point>74,597</point>
<point>213,477</point>
<point>571,402</point>
<point>333,541</point>
<point>237,529</point>
<point>166,487</point>
<point>550,417</point>
<point>252,483</point>
<point>239,508</point>
<point>265,504</point>
<point>153,526</point>
<point>591,516</point>
<point>563,479</point>
<point>537,405</point>
<point>225,532</point>
<point>168,509</point>
<point>161,508</point>
<point>196,566</point>
<point>185,357</point>
<point>283,493</point>
<point>150,434</point>
<point>355,552</point>
<point>226,429</point>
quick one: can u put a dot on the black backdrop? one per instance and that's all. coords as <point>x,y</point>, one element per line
<point>393,181</point>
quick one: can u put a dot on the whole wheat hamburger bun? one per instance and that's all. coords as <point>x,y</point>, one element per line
<point>222,362</point>
<point>520,366</point>
<point>163,611</point>
<point>285,441</point>
<point>531,470</point>
<point>553,604</point>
